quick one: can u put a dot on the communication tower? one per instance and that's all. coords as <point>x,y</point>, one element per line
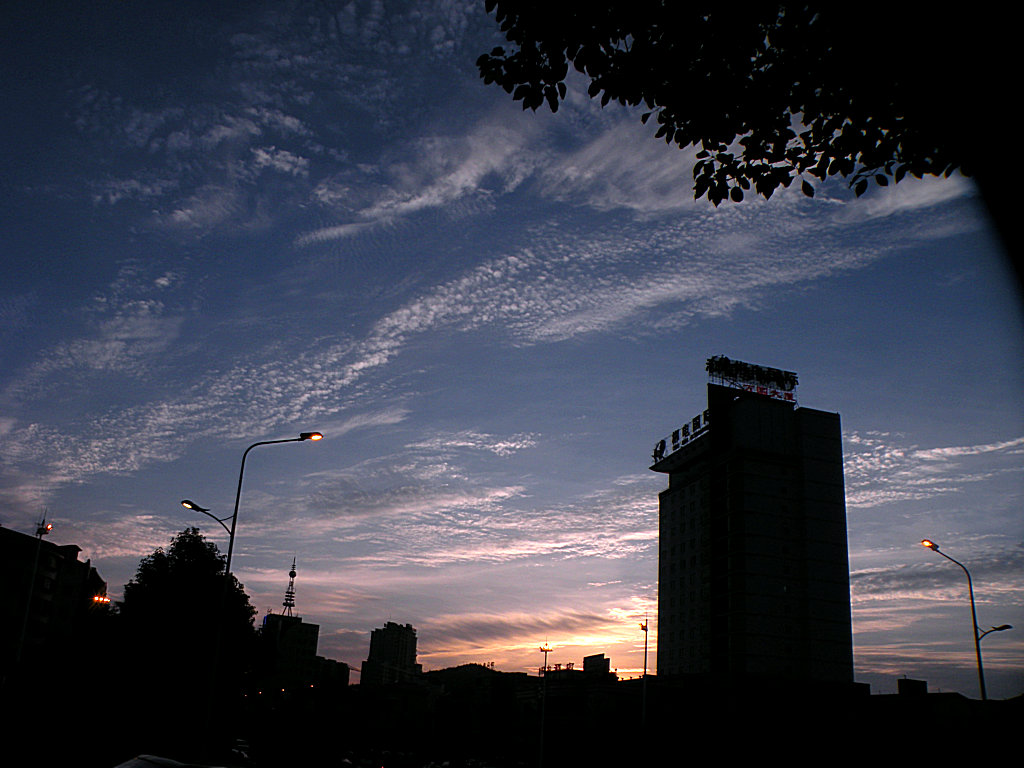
<point>289,594</point>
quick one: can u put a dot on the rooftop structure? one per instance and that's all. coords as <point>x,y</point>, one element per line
<point>753,574</point>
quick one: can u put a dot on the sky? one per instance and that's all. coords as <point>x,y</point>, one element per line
<point>233,222</point>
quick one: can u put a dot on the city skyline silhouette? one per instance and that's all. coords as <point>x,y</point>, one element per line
<point>246,224</point>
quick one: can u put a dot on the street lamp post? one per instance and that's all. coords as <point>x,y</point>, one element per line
<point>643,684</point>
<point>188,504</point>
<point>241,472</point>
<point>978,634</point>
<point>545,649</point>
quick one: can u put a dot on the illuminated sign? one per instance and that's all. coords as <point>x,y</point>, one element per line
<point>691,430</point>
<point>759,379</point>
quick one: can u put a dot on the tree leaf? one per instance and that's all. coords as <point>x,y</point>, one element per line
<point>767,82</point>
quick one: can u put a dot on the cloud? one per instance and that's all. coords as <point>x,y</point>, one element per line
<point>224,160</point>
<point>144,187</point>
<point>646,277</point>
<point>487,630</point>
<point>515,636</point>
<point>435,173</point>
<point>120,537</point>
<point>624,167</point>
<point>280,160</point>
<point>909,195</point>
<point>574,283</point>
<point>368,420</point>
<point>428,510</point>
<point>129,325</point>
<point>994,564</point>
<point>447,443</point>
<point>880,470</point>
<point>338,232</point>
<point>210,206</point>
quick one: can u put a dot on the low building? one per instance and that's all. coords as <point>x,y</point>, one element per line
<point>48,594</point>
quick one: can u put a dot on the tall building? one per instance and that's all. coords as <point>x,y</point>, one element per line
<point>392,656</point>
<point>287,649</point>
<point>753,572</point>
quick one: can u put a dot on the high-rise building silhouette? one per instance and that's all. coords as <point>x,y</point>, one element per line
<point>287,649</point>
<point>753,572</point>
<point>392,657</point>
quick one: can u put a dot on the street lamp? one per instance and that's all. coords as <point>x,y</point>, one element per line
<point>188,504</point>
<point>233,517</point>
<point>978,634</point>
<point>545,649</point>
<point>241,472</point>
<point>643,684</point>
<point>1000,628</point>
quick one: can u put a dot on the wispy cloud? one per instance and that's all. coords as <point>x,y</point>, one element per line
<point>129,325</point>
<point>647,277</point>
<point>435,173</point>
<point>880,468</point>
<point>910,195</point>
<point>477,441</point>
<point>997,568</point>
<point>624,167</point>
<point>427,512</point>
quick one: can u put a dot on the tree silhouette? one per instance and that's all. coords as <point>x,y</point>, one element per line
<point>771,92</point>
<point>178,593</point>
<point>172,612</point>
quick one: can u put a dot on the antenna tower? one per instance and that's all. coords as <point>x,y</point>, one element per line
<point>289,594</point>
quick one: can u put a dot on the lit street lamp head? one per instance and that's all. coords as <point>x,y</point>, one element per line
<point>930,544</point>
<point>310,436</point>
<point>189,504</point>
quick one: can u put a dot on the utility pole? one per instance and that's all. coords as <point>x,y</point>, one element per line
<point>41,530</point>
<point>545,649</point>
<point>643,685</point>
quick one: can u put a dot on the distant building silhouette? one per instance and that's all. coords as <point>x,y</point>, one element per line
<point>392,657</point>
<point>62,589</point>
<point>287,650</point>
<point>753,573</point>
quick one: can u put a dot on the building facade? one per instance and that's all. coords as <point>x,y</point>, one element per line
<point>48,594</point>
<point>287,650</point>
<point>753,575</point>
<point>392,657</point>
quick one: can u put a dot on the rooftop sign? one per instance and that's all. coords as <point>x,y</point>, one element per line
<point>690,431</point>
<point>770,382</point>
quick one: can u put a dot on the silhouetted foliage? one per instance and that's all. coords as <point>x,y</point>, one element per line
<point>173,610</point>
<point>178,592</point>
<point>185,580</point>
<point>770,92</point>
